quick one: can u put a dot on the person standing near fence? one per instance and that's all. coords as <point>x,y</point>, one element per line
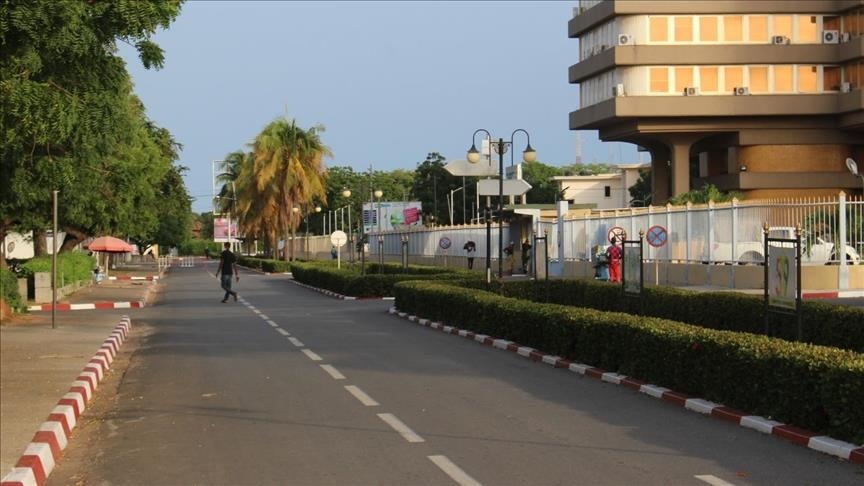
<point>613,257</point>
<point>228,267</point>
<point>471,248</point>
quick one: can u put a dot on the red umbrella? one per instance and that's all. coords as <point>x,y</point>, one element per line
<point>109,244</point>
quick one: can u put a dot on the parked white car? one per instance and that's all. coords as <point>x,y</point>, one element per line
<point>819,252</point>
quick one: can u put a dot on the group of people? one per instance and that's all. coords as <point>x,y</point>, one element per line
<point>471,249</point>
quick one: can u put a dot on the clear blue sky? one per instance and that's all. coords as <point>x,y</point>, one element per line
<point>390,81</point>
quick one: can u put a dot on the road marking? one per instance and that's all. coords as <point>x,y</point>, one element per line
<point>360,395</point>
<point>264,316</point>
<point>333,372</point>
<point>400,427</point>
<point>272,323</point>
<point>311,355</point>
<point>295,342</point>
<point>713,480</point>
<point>454,471</point>
<point>282,331</point>
<point>256,311</point>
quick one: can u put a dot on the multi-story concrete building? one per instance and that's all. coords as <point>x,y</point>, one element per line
<point>762,97</point>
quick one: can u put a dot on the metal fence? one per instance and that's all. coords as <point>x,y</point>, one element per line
<point>719,233</point>
<point>712,233</point>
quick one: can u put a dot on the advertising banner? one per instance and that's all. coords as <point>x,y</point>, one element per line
<point>220,230</point>
<point>782,277</point>
<point>389,216</point>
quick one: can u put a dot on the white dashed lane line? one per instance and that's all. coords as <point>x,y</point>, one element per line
<point>400,427</point>
<point>272,323</point>
<point>310,354</point>
<point>332,372</point>
<point>264,316</point>
<point>454,471</point>
<point>713,480</point>
<point>362,396</point>
<point>296,342</point>
<point>282,331</point>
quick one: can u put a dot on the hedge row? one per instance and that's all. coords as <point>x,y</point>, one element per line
<point>822,324</point>
<point>9,290</point>
<point>814,387</point>
<point>378,281</point>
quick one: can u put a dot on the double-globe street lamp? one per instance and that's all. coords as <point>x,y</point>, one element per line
<point>500,147</point>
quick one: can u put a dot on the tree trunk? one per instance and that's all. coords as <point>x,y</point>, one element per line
<point>40,243</point>
<point>72,239</point>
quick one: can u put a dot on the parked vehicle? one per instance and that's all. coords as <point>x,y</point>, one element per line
<point>814,251</point>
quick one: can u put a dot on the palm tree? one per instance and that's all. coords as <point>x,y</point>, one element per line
<point>288,172</point>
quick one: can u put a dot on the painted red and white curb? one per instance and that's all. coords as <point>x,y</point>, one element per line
<point>43,451</point>
<point>136,304</point>
<point>832,294</point>
<point>339,296</point>
<point>844,450</point>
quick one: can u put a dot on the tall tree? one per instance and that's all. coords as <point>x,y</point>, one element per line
<point>432,186</point>
<point>289,171</point>
<point>543,189</point>
<point>65,104</point>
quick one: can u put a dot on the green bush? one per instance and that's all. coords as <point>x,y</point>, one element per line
<point>809,386</point>
<point>9,290</point>
<point>822,324</point>
<point>72,266</point>
<point>196,247</point>
<point>349,280</point>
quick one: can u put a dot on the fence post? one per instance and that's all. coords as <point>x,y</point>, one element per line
<point>734,240</point>
<point>840,246</point>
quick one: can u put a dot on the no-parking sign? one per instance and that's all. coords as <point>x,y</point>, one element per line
<point>656,236</point>
<point>616,232</point>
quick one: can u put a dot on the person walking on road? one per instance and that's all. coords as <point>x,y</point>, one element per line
<point>228,267</point>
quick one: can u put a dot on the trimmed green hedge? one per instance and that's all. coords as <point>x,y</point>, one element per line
<point>814,387</point>
<point>72,266</point>
<point>823,324</point>
<point>348,280</point>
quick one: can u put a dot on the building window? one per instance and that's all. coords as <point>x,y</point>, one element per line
<point>659,79</point>
<point>758,28</point>
<point>783,79</point>
<point>732,29</point>
<point>806,31</point>
<point>807,76</point>
<point>709,81</point>
<point>683,29</point>
<point>708,29</point>
<point>683,78</point>
<point>607,191</point>
<point>831,78</point>
<point>734,77</point>
<point>783,25</point>
<point>658,29</point>
<point>758,79</point>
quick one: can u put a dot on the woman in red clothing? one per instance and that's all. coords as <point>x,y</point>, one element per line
<point>613,255</point>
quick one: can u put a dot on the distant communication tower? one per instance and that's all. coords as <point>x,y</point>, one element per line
<point>578,147</point>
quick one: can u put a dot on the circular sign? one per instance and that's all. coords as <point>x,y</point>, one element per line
<point>616,232</point>
<point>656,236</point>
<point>444,242</point>
<point>338,238</point>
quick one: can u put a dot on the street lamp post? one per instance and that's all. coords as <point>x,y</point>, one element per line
<point>346,193</point>
<point>528,155</point>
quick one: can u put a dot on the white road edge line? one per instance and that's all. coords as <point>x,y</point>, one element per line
<point>311,355</point>
<point>282,331</point>
<point>454,471</point>
<point>333,372</point>
<point>713,480</point>
<point>362,396</point>
<point>400,427</point>
<point>295,342</point>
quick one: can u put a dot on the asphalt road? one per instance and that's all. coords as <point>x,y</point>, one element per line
<point>290,386</point>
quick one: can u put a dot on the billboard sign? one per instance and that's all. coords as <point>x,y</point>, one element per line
<point>220,229</point>
<point>390,216</point>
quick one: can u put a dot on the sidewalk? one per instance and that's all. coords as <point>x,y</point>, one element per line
<point>38,363</point>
